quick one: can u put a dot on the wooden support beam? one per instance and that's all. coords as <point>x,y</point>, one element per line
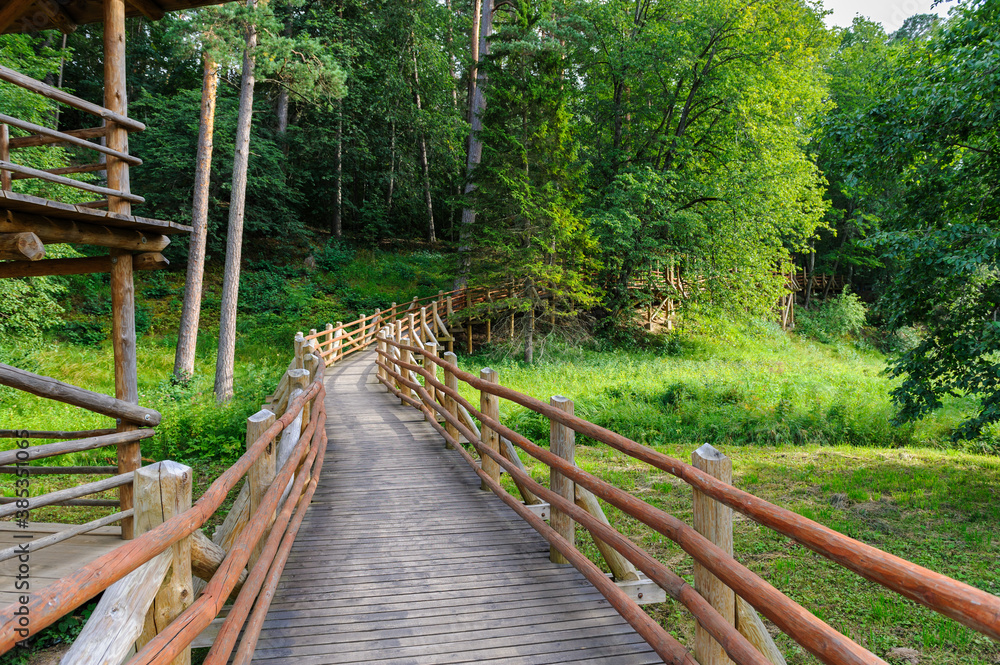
<point>49,388</point>
<point>714,521</point>
<point>261,474</point>
<point>24,246</point>
<point>206,557</point>
<point>79,266</point>
<point>489,404</point>
<point>52,230</point>
<point>621,568</point>
<point>562,442</point>
<point>58,15</point>
<point>163,490</point>
<point>110,634</point>
<point>12,11</point>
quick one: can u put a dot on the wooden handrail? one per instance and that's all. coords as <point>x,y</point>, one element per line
<point>50,388</point>
<point>39,434</point>
<point>63,137</point>
<point>18,142</point>
<point>75,446</point>
<point>809,631</point>
<point>188,625</point>
<point>29,172</point>
<point>52,602</point>
<point>55,94</point>
<point>69,493</point>
<point>962,602</point>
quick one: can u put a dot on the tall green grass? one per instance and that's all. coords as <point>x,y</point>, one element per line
<point>723,383</point>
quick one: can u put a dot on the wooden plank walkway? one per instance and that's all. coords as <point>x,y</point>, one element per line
<point>402,559</point>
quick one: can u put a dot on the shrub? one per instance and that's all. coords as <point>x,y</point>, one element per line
<point>84,333</point>
<point>839,317</point>
<point>335,256</point>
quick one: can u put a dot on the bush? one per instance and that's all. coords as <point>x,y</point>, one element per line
<point>84,333</point>
<point>840,317</point>
<point>335,256</point>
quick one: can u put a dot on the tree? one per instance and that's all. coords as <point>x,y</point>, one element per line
<point>926,163</point>
<point>712,105</point>
<point>303,62</point>
<point>527,187</point>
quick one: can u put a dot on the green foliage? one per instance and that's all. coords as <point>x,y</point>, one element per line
<point>335,256</point>
<point>841,317</point>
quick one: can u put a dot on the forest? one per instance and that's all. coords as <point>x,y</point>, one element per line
<point>570,145</point>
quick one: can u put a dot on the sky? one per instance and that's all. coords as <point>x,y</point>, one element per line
<point>890,13</point>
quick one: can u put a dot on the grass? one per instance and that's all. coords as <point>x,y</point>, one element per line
<point>806,426</point>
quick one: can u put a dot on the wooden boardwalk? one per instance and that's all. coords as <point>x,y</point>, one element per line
<point>402,559</point>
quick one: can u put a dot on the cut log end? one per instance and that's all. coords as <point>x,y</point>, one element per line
<point>24,246</point>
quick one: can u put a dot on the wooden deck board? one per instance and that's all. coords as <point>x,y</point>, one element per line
<point>401,558</point>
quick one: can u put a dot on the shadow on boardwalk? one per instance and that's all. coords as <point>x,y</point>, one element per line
<point>402,559</point>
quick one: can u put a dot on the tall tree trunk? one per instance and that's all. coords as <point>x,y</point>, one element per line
<point>449,41</point>
<point>282,110</point>
<point>234,240</point>
<point>423,154</point>
<point>187,337</point>
<point>392,168</point>
<point>475,147</point>
<point>338,170</point>
<point>474,49</point>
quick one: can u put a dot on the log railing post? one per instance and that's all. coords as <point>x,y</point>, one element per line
<point>430,366</point>
<point>299,379</point>
<point>338,345</point>
<point>163,490</point>
<point>262,473</point>
<point>714,521</point>
<point>451,381</point>
<point>380,347</point>
<point>450,308</point>
<point>489,404</point>
<point>329,340</point>
<point>562,442</point>
<point>299,342</point>
<point>5,156</point>
<point>312,365</point>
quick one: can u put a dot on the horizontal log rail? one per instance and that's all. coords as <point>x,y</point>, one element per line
<point>60,470</point>
<point>34,141</point>
<point>29,172</point>
<point>68,532</point>
<point>43,451</point>
<point>64,137</point>
<point>61,496</point>
<point>966,604</point>
<point>48,434</point>
<point>63,97</point>
<point>53,389</point>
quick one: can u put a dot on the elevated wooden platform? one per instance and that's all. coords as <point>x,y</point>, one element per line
<point>33,205</point>
<point>402,559</point>
<point>49,564</point>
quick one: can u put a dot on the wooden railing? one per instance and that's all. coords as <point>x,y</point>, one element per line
<point>163,589</point>
<point>726,591</point>
<point>39,135</point>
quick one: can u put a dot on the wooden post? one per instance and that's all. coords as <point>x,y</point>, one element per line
<point>714,521</point>
<point>5,156</point>
<point>432,349</point>
<point>163,490</point>
<point>449,309</point>
<point>489,331</point>
<point>338,346</point>
<point>468,336</point>
<point>392,313</point>
<point>329,339</point>
<point>451,381</point>
<point>380,348</point>
<point>423,323</point>
<point>299,379</point>
<point>261,474</point>
<point>490,406</point>
<point>562,442</point>
<point>512,325</point>
<point>312,365</point>
<point>298,343</point>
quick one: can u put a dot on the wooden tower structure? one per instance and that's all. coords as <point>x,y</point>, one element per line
<point>132,242</point>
